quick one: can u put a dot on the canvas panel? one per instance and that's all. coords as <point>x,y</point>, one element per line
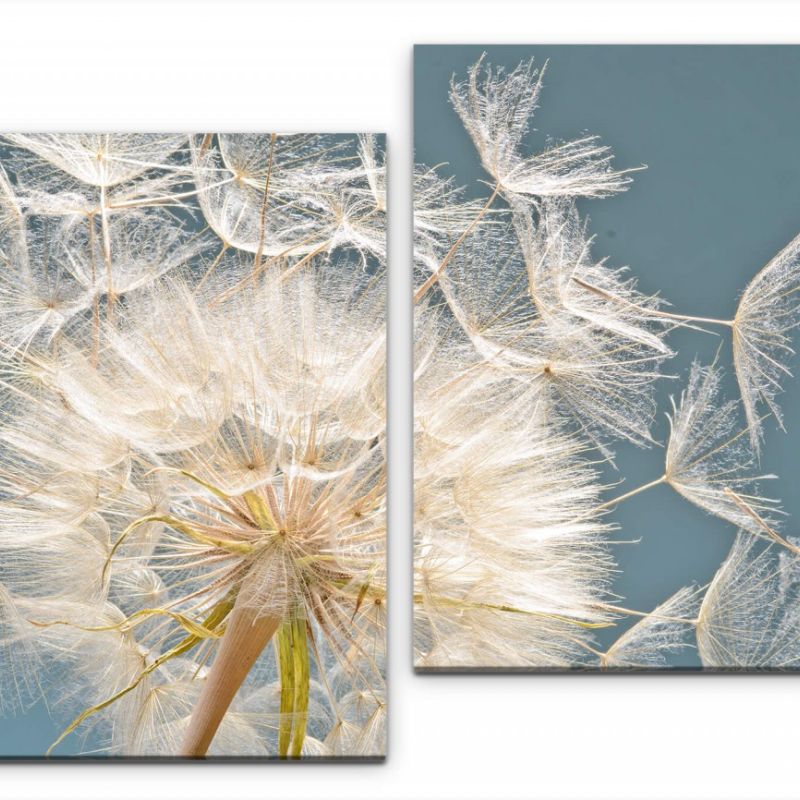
<point>603,357</point>
<point>193,479</point>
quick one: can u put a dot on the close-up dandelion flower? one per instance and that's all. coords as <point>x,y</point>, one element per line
<point>192,450</point>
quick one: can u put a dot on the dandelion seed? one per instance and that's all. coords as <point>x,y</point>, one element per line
<point>557,252</point>
<point>749,618</point>
<point>314,200</point>
<point>101,159</point>
<point>497,107</point>
<point>663,631</point>
<point>708,455</point>
<point>768,311</point>
<point>441,213</point>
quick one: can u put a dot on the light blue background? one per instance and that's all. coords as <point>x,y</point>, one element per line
<point>719,129</point>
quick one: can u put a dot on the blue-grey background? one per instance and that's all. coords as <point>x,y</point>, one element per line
<point>719,130</point>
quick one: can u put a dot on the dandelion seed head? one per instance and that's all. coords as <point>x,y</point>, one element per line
<point>193,429</point>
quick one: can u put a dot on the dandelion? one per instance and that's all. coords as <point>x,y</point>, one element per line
<point>192,512</point>
<point>441,213</point>
<point>595,378</point>
<point>100,159</point>
<point>32,299</point>
<point>94,217</point>
<point>312,203</point>
<point>709,460</point>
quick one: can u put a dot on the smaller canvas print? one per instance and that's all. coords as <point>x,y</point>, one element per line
<point>606,425</point>
<point>192,445</point>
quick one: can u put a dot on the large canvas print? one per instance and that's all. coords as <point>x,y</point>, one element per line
<point>607,283</point>
<point>192,445</point>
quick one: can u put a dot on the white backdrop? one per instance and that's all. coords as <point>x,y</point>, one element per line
<point>346,66</point>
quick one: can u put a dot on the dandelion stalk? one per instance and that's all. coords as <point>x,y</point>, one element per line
<point>247,633</point>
